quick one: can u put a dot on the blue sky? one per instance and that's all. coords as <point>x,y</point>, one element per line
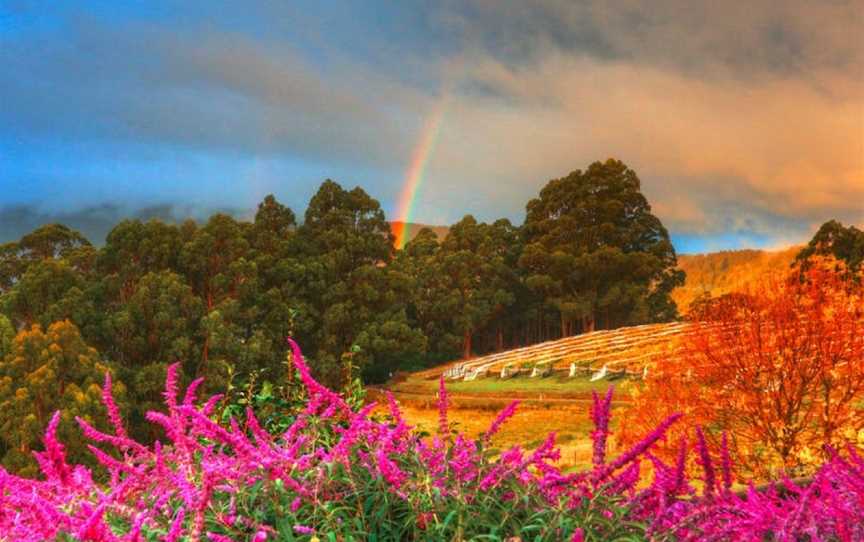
<point>745,123</point>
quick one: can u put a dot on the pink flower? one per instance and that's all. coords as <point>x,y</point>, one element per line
<point>502,417</point>
<point>443,424</point>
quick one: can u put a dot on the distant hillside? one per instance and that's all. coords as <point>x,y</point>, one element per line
<point>413,229</point>
<point>727,271</point>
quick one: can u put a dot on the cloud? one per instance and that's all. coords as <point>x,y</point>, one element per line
<point>201,90</point>
<point>95,222</point>
<point>712,154</point>
<point>744,118</point>
<point>723,39</point>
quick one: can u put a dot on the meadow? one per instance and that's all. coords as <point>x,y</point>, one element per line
<point>554,403</point>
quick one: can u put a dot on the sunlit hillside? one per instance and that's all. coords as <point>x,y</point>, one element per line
<point>727,271</point>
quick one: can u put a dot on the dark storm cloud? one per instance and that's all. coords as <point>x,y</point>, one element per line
<point>754,38</point>
<point>94,222</point>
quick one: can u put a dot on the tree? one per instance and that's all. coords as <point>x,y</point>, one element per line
<point>780,370</point>
<point>217,265</point>
<point>50,241</point>
<point>46,371</point>
<point>214,259</point>
<point>11,266</point>
<point>844,244</point>
<point>346,283</point>
<point>273,227</point>
<point>467,281</point>
<point>250,329</point>
<point>7,335</point>
<point>133,249</point>
<point>38,295</point>
<point>596,253</point>
<point>158,324</point>
<point>348,226</point>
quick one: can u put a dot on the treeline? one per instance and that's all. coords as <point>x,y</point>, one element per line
<point>220,297</point>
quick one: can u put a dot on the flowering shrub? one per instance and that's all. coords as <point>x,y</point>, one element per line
<point>339,474</point>
<point>780,368</point>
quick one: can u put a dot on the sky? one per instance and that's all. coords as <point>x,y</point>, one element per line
<point>744,120</point>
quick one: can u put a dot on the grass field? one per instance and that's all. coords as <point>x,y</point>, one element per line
<point>528,428</point>
<point>553,404</point>
<point>557,385</point>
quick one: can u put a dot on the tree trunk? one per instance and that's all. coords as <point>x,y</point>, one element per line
<point>466,345</point>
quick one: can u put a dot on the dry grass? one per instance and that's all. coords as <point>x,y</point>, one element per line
<point>554,404</point>
<point>528,428</point>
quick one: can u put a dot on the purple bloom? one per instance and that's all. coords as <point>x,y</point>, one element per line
<point>502,417</point>
<point>443,425</point>
<point>600,413</point>
<point>705,461</point>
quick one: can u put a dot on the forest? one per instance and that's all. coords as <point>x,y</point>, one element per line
<point>221,297</point>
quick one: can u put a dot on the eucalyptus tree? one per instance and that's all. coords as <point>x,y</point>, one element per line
<point>596,253</point>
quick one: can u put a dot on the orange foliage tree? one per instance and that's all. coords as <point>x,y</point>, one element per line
<point>780,369</point>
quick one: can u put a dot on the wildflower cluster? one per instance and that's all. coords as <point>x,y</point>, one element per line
<point>340,473</point>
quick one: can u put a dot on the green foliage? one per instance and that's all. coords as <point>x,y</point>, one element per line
<point>7,335</point>
<point>50,241</point>
<point>158,322</point>
<point>357,297</point>
<point>467,281</point>
<point>43,292</point>
<point>134,248</point>
<point>846,244</point>
<point>596,253</point>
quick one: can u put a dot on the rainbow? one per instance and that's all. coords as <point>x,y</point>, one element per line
<point>414,173</point>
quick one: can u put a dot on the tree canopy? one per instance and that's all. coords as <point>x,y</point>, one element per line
<point>844,244</point>
<point>596,253</point>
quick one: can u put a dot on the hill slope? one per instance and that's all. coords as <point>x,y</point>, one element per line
<point>727,271</point>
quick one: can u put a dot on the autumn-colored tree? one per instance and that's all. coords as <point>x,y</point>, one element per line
<point>45,371</point>
<point>780,370</point>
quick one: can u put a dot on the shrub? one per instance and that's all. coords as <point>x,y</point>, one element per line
<point>781,370</point>
<point>339,474</point>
